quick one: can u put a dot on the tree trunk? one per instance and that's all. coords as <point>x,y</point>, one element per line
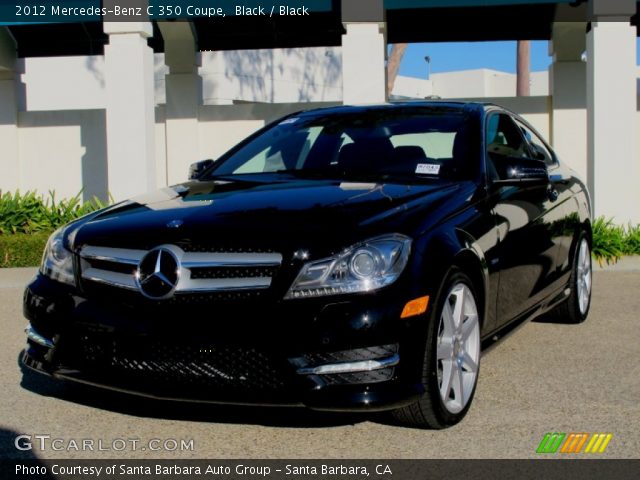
<point>393,65</point>
<point>523,88</point>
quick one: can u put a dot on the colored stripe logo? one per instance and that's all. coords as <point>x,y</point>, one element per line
<point>574,443</point>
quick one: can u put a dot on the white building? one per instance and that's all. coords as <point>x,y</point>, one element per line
<point>480,83</point>
<point>127,120</point>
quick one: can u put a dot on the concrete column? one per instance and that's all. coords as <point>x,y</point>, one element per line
<point>183,88</point>
<point>568,87</point>
<point>130,109</point>
<point>363,64</point>
<point>614,166</point>
<point>364,51</point>
<point>9,160</point>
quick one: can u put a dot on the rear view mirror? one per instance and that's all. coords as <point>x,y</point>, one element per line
<point>196,169</point>
<point>520,170</point>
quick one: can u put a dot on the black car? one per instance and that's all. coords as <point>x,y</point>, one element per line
<point>348,258</point>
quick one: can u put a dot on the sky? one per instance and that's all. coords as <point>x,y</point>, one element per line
<point>449,57</point>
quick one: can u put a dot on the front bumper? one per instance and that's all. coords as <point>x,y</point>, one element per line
<point>350,355</point>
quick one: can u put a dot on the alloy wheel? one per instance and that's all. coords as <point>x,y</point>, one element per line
<point>583,277</point>
<point>458,348</point>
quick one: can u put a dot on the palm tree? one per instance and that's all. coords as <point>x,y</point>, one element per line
<point>393,64</point>
<point>523,82</point>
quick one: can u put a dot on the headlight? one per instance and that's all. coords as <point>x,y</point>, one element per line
<point>57,261</point>
<point>364,267</point>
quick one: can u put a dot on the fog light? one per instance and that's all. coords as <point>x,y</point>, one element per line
<point>37,338</point>
<point>415,307</point>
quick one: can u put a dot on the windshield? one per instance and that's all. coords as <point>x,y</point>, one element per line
<point>416,144</point>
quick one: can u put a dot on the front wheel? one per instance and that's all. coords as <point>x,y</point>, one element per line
<point>452,358</point>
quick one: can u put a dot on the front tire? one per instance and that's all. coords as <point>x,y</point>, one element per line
<point>452,358</point>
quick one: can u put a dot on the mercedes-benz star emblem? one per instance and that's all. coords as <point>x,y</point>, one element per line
<point>158,273</point>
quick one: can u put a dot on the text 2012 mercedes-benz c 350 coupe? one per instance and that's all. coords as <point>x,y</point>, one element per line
<point>349,258</point>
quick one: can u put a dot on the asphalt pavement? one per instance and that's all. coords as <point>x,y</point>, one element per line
<point>543,378</point>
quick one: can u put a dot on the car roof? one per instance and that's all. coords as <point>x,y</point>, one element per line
<point>476,107</point>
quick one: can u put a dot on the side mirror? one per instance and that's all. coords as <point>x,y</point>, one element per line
<point>196,169</point>
<point>514,171</point>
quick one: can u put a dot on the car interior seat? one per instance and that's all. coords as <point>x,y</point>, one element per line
<point>366,154</point>
<point>407,157</point>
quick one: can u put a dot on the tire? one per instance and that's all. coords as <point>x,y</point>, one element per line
<point>575,308</point>
<point>453,353</point>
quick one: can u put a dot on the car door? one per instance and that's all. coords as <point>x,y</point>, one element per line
<point>563,222</point>
<point>524,216</point>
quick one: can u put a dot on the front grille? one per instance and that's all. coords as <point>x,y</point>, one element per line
<point>164,365</point>
<point>193,247</point>
<point>233,272</point>
<point>114,296</point>
<point>117,267</point>
<point>200,272</point>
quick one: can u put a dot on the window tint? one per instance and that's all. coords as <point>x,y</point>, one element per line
<point>421,143</point>
<point>537,146</point>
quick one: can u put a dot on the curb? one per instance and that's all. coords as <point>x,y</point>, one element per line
<point>625,264</point>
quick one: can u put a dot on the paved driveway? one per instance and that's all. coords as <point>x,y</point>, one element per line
<point>543,378</point>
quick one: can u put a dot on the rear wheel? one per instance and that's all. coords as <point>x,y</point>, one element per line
<point>576,308</point>
<point>452,358</point>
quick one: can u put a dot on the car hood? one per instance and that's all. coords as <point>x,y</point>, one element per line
<point>269,214</point>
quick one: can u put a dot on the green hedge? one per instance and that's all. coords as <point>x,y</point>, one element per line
<point>611,242</point>
<point>27,220</point>
<point>22,250</point>
<point>30,212</point>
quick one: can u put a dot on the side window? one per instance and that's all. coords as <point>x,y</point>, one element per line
<point>537,146</point>
<point>504,139</point>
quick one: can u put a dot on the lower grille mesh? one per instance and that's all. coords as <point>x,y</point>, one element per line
<point>159,364</point>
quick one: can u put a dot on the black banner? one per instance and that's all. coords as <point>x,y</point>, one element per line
<point>546,469</point>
